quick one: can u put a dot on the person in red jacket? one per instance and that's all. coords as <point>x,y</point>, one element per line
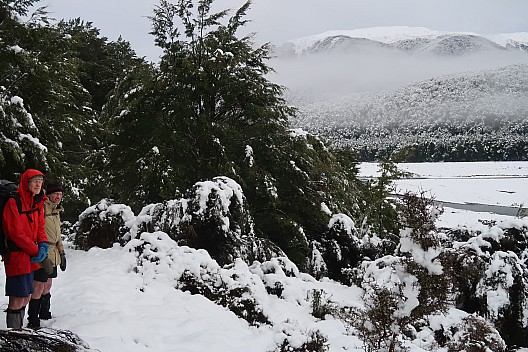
<point>27,243</point>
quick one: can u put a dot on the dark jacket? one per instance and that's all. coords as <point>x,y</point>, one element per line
<point>24,230</point>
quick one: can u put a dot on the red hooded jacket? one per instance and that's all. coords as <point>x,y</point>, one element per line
<point>25,233</point>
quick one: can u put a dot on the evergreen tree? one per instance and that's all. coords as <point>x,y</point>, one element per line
<point>18,144</point>
<point>51,79</point>
<point>209,110</point>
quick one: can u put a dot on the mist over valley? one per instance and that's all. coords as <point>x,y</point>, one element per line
<point>438,96</point>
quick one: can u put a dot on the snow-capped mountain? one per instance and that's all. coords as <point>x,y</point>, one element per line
<point>389,88</point>
<point>411,39</point>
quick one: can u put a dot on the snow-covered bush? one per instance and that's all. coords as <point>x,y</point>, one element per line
<point>402,289</point>
<point>242,289</point>
<point>472,334</point>
<point>103,224</point>
<point>419,214</point>
<point>391,295</point>
<point>216,219</point>
<point>466,268</point>
<point>336,250</point>
<point>213,216</point>
<point>491,276</point>
<point>504,292</point>
<point>196,272</point>
<point>317,342</point>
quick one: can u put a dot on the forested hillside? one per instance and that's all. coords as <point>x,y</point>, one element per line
<point>461,117</point>
<point>426,95</point>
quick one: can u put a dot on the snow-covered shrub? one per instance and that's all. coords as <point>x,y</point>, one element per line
<point>421,246</point>
<point>466,268</point>
<point>237,299</point>
<point>390,296</point>
<point>68,230</point>
<point>455,330</point>
<point>418,214</point>
<point>317,342</point>
<point>504,292</point>
<point>472,334</point>
<point>336,250</point>
<point>320,303</point>
<point>273,272</point>
<point>400,291</point>
<point>495,280</point>
<point>103,224</point>
<point>214,217</point>
<point>316,264</point>
<point>165,217</point>
<point>196,272</point>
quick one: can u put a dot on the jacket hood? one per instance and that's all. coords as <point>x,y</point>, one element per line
<point>23,190</point>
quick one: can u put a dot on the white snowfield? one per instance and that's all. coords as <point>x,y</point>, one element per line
<point>499,184</point>
<point>493,183</point>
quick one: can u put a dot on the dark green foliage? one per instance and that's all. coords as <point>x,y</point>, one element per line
<point>378,206</point>
<point>54,79</point>
<point>19,147</point>
<point>209,110</point>
<point>99,62</point>
<point>507,144</point>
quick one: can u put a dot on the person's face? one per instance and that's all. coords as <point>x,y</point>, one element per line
<point>35,185</point>
<point>55,197</point>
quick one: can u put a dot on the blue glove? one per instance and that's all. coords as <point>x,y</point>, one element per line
<point>42,253</point>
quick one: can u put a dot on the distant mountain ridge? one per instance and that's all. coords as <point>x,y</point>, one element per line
<point>405,38</point>
<point>438,96</point>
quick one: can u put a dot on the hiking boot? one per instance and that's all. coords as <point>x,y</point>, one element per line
<point>35,325</point>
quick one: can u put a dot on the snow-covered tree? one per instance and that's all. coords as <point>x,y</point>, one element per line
<point>209,110</point>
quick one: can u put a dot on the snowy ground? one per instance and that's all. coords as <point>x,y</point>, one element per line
<point>112,308</point>
<point>501,184</point>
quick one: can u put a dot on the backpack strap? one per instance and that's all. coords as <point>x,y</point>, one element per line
<point>19,206</point>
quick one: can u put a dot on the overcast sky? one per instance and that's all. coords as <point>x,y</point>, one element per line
<point>277,21</point>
